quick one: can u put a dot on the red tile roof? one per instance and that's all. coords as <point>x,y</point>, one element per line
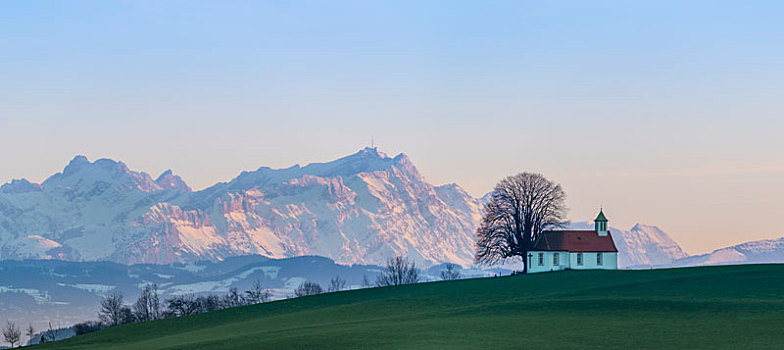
<point>575,241</point>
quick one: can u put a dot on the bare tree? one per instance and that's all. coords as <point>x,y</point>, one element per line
<point>50,334</point>
<point>399,270</point>
<point>520,208</point>
<point>257,294</point>
<point>365,281</point>
<point>183,305</point>
<point>308,288</point>
<point>450,273</point>
<point>337,284</point>
<point>148,306</point>
<point>208,303</point>
<point>233,299</point>
<point>126,315</point>
<point>111,312</point>
<point>12,333</point>
<point>30,333</point>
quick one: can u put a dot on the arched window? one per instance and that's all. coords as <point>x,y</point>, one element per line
<point>598,258</point>
<point>555,259</point>
<point>541,259</point>
<point>579,258</point>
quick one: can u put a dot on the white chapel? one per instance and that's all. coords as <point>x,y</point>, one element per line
<point>575,250</point>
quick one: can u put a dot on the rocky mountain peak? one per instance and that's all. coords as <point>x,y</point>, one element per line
<point>20,186</point>
<point>372,152</point>
<point>643,227</point>
<point>169,181</point>
<point>108,166</point>
<point>82,175</point>
<point>75,165</point>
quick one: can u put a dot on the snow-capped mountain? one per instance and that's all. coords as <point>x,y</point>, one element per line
<point>361,208</point>
<point>754,252</point>
<point>641,246</point>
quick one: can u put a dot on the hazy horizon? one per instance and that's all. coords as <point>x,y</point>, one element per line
<point>665,113</point>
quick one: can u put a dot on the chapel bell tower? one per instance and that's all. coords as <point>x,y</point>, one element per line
<point>600,224</point>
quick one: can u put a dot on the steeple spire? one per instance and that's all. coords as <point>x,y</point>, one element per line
<point>600,223</point>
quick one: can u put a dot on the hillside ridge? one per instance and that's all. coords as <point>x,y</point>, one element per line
<point>695,307</point>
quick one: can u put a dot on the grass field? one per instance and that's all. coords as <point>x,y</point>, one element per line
<point>706,307</point>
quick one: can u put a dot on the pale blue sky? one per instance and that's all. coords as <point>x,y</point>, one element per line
<point>665,112</point>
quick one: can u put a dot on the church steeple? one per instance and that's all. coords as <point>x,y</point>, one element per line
<point>600,223</point>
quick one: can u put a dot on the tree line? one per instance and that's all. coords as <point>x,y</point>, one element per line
<point>149,307</point>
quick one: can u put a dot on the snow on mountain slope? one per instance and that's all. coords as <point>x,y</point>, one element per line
<point>86,210</point>
<point>641,246</point>
<point>754,252</point>
<point>31,247</point>
<point>361,208</point>
<point>649,245</point>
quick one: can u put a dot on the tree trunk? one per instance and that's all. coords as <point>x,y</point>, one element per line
<point>525,262</point>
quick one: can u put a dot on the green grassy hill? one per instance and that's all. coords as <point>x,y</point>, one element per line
<point>715,307</point>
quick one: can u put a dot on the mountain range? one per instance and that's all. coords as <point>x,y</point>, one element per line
<point>362,208</point>
<point>764,251</point>
<point>359,209</point>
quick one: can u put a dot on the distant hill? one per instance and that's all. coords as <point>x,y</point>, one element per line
<point>730,307</point>
<point>38,291</point>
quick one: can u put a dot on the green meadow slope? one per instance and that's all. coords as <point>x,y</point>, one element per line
<point>706,307</point>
